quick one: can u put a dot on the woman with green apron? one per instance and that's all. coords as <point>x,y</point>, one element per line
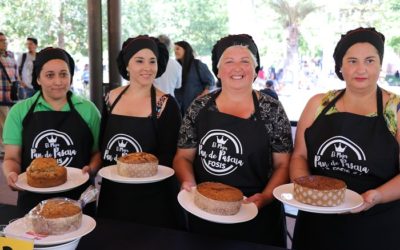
<point>53,123</point>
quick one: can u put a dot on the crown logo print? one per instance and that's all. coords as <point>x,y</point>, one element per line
<point>339,148</point>
<point>52,139</point>
<point>221,140</point>
<point>122,144</point>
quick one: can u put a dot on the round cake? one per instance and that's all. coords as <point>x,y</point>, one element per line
<point>45,172</point>
<point>218,198</point>
<point>319,190</point>
<point>56,216</point>
<point>137,165</point>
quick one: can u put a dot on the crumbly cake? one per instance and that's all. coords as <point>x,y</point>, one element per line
<point>56,216</point>
<point>319,190</point>
<point>45,172</point>
<point>218,198</point>
<point>136,165</point>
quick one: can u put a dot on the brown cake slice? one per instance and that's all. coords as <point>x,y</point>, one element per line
<point>56,216</point>
<point>218,198</point>
<point>139,164</point>
<point>319,190</point>
<point>45,173</point>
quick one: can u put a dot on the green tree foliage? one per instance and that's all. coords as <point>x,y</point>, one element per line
<point>201,23</point>
<point>60,23</point>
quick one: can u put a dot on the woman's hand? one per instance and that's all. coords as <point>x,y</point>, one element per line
<point>12,178</point>
<point>188,185</point>
<point>259,199</point>
<point>371,198</point>
<point>87,169</point>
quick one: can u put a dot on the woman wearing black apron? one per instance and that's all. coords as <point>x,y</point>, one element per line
<point>51,126</point>
<point>357,128</point>
<point>238,137</point>
<point>144,120</point>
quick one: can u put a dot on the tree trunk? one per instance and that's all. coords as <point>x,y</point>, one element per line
<point>60,33</point>
<point>291,66</point>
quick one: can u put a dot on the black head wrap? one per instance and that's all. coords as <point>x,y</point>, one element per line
<point>231,40</point>
<point>369,35</point>
<point>132,45</point>
<point>46,55</point>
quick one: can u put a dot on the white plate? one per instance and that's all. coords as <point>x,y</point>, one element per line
<point>19,228</point>
<point>284,193</point>
<point>110,173</point>
<point>246,212</point>
<point>75,178</point>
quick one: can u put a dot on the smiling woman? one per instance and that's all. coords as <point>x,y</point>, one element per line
<point>224,138</point>
<point>140,118</point>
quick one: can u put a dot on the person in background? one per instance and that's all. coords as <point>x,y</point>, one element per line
<point>144,119</point>
<point>352,134</point>
<point>55,123</point>
<point>8,74</point>
<point>197,80</point>
<point>232,118</point>
<point>85,78</point>
<point>269,89</point>
<point>171,79</point>
<point>25,67</point>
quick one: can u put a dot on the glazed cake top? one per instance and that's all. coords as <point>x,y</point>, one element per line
<point>219,191</point>
<point>319,182</point>
<point>138,157</point>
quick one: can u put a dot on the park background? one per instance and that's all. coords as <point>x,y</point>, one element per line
<point>296,38</point>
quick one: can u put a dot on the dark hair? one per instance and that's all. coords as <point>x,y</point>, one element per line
<point>269,83</point>
<point>187,60</point>
<point>165,40</point>
<point>359,35</point>
<point>32,39</point>
<point>2,34</point>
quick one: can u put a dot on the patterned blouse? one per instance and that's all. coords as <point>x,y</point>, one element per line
<point>390,110</point>
<point>272,114</point>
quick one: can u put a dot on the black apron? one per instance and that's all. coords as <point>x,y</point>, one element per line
<point>151,203</point>
<point>361,151</point>
<point>237,152</point>
<point>61,135</point>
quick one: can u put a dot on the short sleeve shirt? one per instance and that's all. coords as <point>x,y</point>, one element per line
<point>12,133</point>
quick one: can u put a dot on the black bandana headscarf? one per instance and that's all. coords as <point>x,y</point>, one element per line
<point>360,35</point>
<point>132,45</point>
<point>46,55</point>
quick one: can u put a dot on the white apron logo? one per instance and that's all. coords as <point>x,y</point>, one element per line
<point>55,144</point>
<point>334,154</point>
<point>213,149</point>
<point>120,145</point>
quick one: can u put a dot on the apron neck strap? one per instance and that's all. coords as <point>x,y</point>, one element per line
<point>69,94</point>
<point>333,102</point>
<point>379,105</point>
<point>255,103</point>
<point>119,97</point>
